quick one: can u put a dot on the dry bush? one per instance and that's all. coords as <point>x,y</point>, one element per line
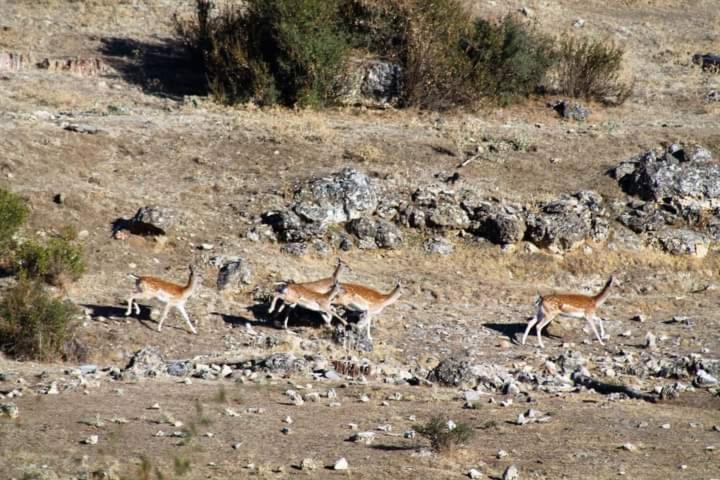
<point>57,262</point>
<point>34,325</point>
<point>13,213</point>
<point>441,437</point>
<point>591,69</point>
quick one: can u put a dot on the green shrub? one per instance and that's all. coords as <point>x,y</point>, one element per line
<point>13,213</point>
<point>33,325</point>
<point>509,59</point>
<point>591,69</point>
<point>56,262</point>
<point>268,51</point>
<point>441,437</point>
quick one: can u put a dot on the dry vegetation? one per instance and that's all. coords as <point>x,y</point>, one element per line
<point>158,142</point>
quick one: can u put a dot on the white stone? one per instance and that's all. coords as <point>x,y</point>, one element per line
<point>341,464</point>
<point>474,474</point>
<point>91,440</point>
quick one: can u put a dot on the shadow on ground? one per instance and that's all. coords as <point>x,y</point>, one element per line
<point>511,330</point>
<point>162,68</point>
<point>115,312</point>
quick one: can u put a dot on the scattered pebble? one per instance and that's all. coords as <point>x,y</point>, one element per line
<point>308,464</point>
<point>91,440</point>
<point>9,410</point>
<point>288,420</point>
<point>341,464</point>
<point>474,474</point>
<point>236,446</point>
<point>501,454</point>
<point>630,447</point>
<point>665,426</point>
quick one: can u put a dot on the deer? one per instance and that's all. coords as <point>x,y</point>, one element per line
<point>173,295</point>
<point>295,294</point>
<point>569,305</point>
<point>325,284</point>
<point>366,300</point>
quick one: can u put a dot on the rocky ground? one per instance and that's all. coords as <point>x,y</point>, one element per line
<point>543,204</point>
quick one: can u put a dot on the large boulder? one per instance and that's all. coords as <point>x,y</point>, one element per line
<point>565,223</point>
<point>370,83</point>
<point>501,223</point>
<point>680,177</point>
<point>373,233</point>
<point>679,241</point>
<point>336,198</point>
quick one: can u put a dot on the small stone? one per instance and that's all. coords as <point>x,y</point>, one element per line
<point>650,341</point>
<point>155,406</point>
<point>638,318</point>
<point>231,413</point>
<point>236,446</point>
<point>410,434</point>
<point>385,427</point>
<point>9,410</point>
<point>704,379</point>
<point>630,447</point>
<point>451,425</point>
<point>474,474</point>
<point>91,440</point>
<point>626,333</point>
<point>364,398</point>
<point>353,426</point>
<point>53,389</point>
<point>665,426</point>
<point>363,437</point>
<point>511,473</point>
<point>308,464</point>
<point>288,420</point>
<point>341,464</point>
<point>285,430</point>
<point>312,397</point>
<point>501,454</point>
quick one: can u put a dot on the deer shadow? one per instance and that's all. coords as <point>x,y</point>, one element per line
<point>510,330</point>
<point>110,312</point>
<point>261,316</point>
<point>163,68</point>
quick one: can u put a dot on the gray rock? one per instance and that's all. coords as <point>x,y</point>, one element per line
<point>9,410</point>
<point>337,198</point>
<point>147,362</point>
<point>285,362</point>
<point>452,372</point>
<point>708,61</point>
<point>370,83</point>
<point>683,242</point>
<point>439,246</point>
<point>155,217</point>
<point>500,223</point>
<point>565,223</point>
<point>388,235</point>
<point>677,177</point>
<point>296,249</point>
<point>511,473</point>
<point>448,216</point>
<point>704,379</point>
<point>234,271</point>
<point>571,110</point>
<point>713,96</point>
<point>353,338</point>
<point>179,368</point>
<point>363,228</point>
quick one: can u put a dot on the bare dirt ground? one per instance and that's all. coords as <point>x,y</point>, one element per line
<point>221,167</point>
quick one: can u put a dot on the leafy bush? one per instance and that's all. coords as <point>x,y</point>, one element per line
<point>268,50</point>
<point>56,262</point>
<point>591,69</point>
<point>33,325</point>
<point>442,437</point>
<point>509,59</point>
<point>13,213</point>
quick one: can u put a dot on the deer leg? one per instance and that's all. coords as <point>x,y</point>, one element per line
<point>273,303</point>
<point>287,315</point>
<point>591,322</point>
<point>181,309</point>
<point>162,317</point>
<point>543,323</point>
<point>130,305</point>
<point>600,324</point>
<point>530,324</point>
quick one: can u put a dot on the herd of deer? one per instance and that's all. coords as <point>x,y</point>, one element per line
<point>322,295</point>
